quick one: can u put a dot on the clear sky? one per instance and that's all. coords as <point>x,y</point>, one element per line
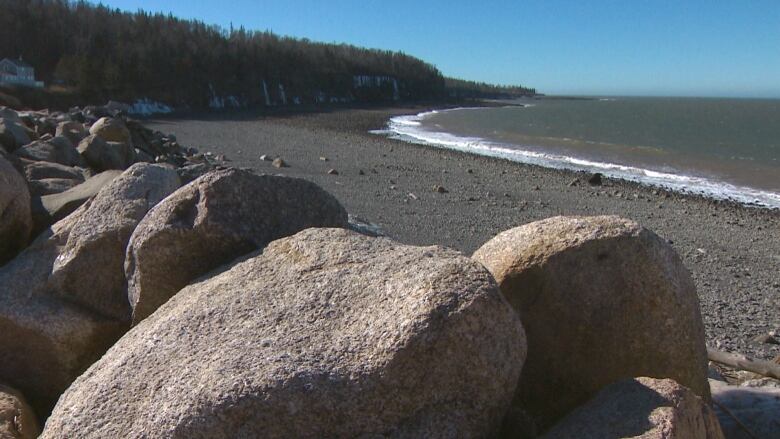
<point>596,47</point>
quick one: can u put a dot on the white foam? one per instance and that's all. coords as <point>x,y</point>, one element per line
<point>409,128</point>
<point>147,107</point>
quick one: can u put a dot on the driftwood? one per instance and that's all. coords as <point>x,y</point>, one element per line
<point>761,367</point>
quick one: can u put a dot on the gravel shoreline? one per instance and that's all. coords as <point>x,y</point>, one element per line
<point>732,251</point>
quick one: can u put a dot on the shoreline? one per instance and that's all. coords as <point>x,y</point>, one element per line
<point>410,128</point>
<point>732,251</point>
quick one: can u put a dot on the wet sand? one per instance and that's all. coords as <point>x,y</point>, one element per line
<point>733,252</point>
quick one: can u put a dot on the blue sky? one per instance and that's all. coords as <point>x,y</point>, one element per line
<point>603,47</point>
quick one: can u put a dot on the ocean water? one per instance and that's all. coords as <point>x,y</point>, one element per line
<point>722,148</point>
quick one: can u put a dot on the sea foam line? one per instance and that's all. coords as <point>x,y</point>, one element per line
<point>409,128</point>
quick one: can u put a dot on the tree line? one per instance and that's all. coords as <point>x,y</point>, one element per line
<point>105,53</point>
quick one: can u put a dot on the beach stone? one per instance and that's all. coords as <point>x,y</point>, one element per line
<point>48,186</point>
<point>327,333</point>
<point>111,130</point>
<point>641,407</point>
<point>440,189</point>
<point>12,135</point>
<point>213,220</point>
<point>15,214</point>
<point>102,155</point>
<point>42,170</point>
<point>73,131</point>
<point>595,179</point>
<point>53,208</point>
<point>601,299</point>
<point>279,163</point>
<point>17,420</point>
<point>57,150</point>
<point>90,268</point>
<point>757,408</point>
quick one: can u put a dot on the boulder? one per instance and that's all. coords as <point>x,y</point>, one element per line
<point>49,186</point>
<point>324,334</point>
<point>601,299</point>
<point>102,155</point>
<point>42,170</point>
<point>90,268</point>
<point>57,150</point>
<point>73,131</point>
<point>756,409</point>
<point>15,217</point>
<point>212,221</point>
<point>17,420</point>
<point>111,130</point>
<point>641,407</point>
<point>62,300</point>
<point>46,342</point>
<point>52,208</point>
<point>12,135</point>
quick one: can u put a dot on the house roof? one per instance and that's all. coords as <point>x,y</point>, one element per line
<point>18,63</point>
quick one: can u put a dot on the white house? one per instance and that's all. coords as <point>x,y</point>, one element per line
<point>18,72</point>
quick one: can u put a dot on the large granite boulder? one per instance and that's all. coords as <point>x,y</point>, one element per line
<point>17,420</point>
<point>90,269</point>
<point>62,300</point>
<point>12,135</point>
<point>15,216</point>
<point>57,150</point>
<point>747,412</point>
<point>111,130</point>
<point>642,407</point>
<point>601,299</point>
<point>102,155</point>
<point>46,342</point>
<point>327,333</point>
<point>212,221</point>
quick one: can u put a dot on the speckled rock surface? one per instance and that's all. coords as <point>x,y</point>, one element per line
<point>15,216</point>
<point>601,299</point>
<point>62,300</point>
<point>90,267</point>
<point>213,220</point>
<point>46,343</point>
<point>641,408</point>
<point>327,333</point>
<point>17,420</point>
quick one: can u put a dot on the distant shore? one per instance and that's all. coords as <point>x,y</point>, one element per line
<point>732,251</point>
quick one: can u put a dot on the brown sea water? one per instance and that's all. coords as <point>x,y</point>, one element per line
<point>726,148</point>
